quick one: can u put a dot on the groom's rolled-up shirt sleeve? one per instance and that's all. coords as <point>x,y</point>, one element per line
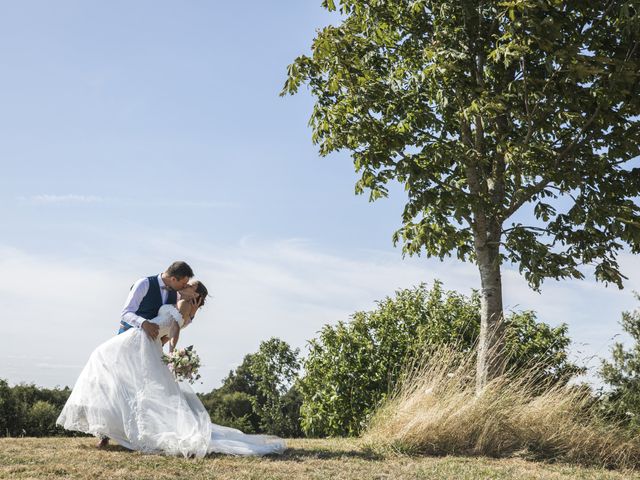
<point>131,306</point>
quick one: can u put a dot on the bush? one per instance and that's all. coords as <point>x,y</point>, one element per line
<point>622,376</point>
<point>351,367</point>
<point>234,409</point>
<point>27,410</point>
<point>42,419</point>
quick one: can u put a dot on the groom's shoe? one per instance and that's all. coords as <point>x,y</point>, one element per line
<point>104,441</point>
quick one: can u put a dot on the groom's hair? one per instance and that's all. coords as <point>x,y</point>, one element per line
<point>179,270</point>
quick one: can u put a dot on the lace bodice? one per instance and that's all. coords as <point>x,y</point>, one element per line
<point>166,315</point>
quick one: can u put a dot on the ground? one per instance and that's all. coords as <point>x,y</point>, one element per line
<point>335,459</point>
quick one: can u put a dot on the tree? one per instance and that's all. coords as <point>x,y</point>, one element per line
<point>622,374</point>
<point>275,367</point>
<point>9,410</point>
<point>352,367</point>
<point>489,112</point>
<point>260,395</point>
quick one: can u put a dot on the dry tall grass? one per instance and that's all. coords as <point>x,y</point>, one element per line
<point>436,410</point>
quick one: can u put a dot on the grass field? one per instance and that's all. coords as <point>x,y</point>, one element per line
<point>22,458</point>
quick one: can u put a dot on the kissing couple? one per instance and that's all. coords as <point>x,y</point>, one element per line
<point>127,393</point>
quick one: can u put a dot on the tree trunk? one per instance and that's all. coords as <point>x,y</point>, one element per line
<point>490,362</point>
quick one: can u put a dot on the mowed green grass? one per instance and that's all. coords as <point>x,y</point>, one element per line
<point>333,459</point>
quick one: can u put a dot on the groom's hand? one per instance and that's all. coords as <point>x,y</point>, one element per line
<point>151,329</point>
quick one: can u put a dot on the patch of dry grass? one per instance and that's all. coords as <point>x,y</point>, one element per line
<point>335,459</point>
<point>436,411</point>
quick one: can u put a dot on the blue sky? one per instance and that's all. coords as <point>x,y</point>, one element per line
<point>136,133</point>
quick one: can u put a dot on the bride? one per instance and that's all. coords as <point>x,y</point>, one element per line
<point>127,393</point>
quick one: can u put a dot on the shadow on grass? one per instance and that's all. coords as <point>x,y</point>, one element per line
<point>302,455</point>
<point>112,447</point>
<point>290,455</point>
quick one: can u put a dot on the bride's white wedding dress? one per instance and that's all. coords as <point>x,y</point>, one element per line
<point>127,393</point>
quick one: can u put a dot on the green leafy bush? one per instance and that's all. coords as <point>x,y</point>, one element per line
<point>42,418</point>
<point>351,367</point>
<point>28,410</point>
<point>232,409</point>
<point>622,375</point>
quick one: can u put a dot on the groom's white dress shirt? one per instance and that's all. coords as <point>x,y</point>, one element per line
<point>136,294</point>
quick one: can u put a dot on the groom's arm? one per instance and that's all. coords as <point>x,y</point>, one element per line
<point>131,306</point>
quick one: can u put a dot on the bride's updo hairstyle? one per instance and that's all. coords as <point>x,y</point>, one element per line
<point>201,290</point>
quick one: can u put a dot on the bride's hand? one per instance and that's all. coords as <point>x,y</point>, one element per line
<point>188,309</point>
<point>196,303</point>
<point>188,293</point>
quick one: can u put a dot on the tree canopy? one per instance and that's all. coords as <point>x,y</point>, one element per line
<point>513,126</point>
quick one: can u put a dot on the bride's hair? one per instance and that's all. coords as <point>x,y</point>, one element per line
<point>201,290</point>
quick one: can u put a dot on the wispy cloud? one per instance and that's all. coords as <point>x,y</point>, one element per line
<point>56,366</point>
<point>71,198</point>
<point>61,199</point>
<point>180,204</point>
<point>62,309</point>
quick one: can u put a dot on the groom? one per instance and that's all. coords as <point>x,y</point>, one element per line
<point>148,294</point>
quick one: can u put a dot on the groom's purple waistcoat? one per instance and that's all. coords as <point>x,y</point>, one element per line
<point>150,303</point>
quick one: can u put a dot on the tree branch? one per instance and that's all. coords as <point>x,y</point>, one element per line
<point>527,227</point>
<point>437,181</point>
<point>576,140</point>
<point>523,195</point>
<point>527,138</point>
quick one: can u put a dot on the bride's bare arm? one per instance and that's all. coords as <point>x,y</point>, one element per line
<point>174,335</point>
<point>184,307</point>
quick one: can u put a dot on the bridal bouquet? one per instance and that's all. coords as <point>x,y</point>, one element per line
<point>184,363</point>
